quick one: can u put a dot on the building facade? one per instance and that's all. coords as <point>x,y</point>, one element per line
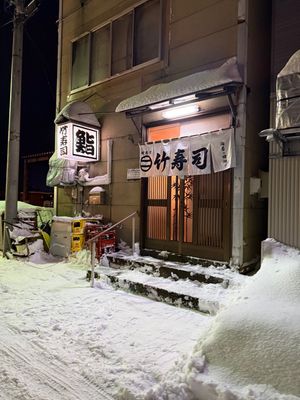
<point>138,64</point>
<point>284,161</point>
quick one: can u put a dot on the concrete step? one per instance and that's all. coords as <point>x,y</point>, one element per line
<point>174,270</point>
<point>196,287</point>
<point>203,297</point>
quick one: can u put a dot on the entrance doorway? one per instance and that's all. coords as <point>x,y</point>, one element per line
<point>190,216</point>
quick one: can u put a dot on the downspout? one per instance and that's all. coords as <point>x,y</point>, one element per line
<point>240,136</point>
<point>109,160</point>
<point>58,84</point>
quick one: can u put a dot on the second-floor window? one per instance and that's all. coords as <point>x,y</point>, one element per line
<point>126,42</point>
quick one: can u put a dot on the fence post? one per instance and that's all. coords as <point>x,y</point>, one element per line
<point>93,259</point>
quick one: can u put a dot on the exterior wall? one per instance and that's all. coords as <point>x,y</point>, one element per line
<point>199,35</point>
<point>284,182</point>
<point>284,213</point>
<point>257,116</point>
<point>203,34</point>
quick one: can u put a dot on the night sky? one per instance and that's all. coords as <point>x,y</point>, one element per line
<point>38,82</point>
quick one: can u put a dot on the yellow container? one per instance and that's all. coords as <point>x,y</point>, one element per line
<point>78,226</point>
<point>77,243</point>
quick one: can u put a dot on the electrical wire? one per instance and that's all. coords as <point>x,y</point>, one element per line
<point>6,23</point>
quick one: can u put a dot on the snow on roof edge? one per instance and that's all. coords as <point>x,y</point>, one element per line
<point>207,79</point>
<point>292,66</point>
<point>78,111</point>
<point>22,206</point>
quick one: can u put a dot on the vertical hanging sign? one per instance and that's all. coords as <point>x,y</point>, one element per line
<point>77,142</point>
<point>223,150</point>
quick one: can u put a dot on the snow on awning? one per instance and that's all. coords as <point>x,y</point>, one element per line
<point>78,111</point>
<point>288,94</point>
<point>191,84</point>
<point>288,79</point>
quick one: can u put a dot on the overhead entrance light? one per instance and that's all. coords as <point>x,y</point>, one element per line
<point>184,99</point>
<point>182,111</point>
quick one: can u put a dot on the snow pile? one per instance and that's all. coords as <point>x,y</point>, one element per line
<point>43,213</point>
<point>37,255</point>
<point>20,205</point>
<point>124,248</point>
<point>81,259</point>
<point>252,350</point>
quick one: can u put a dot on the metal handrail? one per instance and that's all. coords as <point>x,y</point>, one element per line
<point>109,228</point>
<point>92,241</point>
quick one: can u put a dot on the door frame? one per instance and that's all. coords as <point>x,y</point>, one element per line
<point>191,248</point>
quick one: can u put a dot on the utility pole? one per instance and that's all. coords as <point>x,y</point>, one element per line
<point>13,143</point>
<point>21,13</point>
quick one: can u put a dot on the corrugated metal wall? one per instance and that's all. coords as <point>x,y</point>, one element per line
<point>284,172</point>
<point>284,212</point>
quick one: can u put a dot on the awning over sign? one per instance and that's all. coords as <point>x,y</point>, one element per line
<point>77,111</point>
<point>202,81</point>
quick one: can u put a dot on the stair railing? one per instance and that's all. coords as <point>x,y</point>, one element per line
<point>92,242</point>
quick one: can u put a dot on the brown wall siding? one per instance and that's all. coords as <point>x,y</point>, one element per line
<point>217,17</point>
<point>199,35</point>
<point>191,47</point>
<point>204,52</point>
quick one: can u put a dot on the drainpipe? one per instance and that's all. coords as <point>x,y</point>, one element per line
<point>58,85</point>
<point>240,135</point>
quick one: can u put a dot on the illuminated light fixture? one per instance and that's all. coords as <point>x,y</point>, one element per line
<point>181,111</point>
<point>159,105</point>
<point>184,99</point>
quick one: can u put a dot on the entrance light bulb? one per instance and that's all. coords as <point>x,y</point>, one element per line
<point>182,111</point>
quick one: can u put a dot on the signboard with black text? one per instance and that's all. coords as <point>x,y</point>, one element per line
<point>77,142</point>
<point>191,155</point>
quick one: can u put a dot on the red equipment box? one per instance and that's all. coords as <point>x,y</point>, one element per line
<point>106,242</point>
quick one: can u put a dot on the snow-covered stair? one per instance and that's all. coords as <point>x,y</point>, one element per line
<point>201,297</point>
<point>218,273</point>
<point>200,288</point>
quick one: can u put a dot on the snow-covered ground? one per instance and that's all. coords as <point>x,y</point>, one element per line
<point>61,339</point>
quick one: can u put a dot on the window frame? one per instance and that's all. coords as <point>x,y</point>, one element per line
<point>109,22</point>
<point>89,60</point>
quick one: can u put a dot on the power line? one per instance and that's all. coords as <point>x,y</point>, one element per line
<point>7,23</point>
